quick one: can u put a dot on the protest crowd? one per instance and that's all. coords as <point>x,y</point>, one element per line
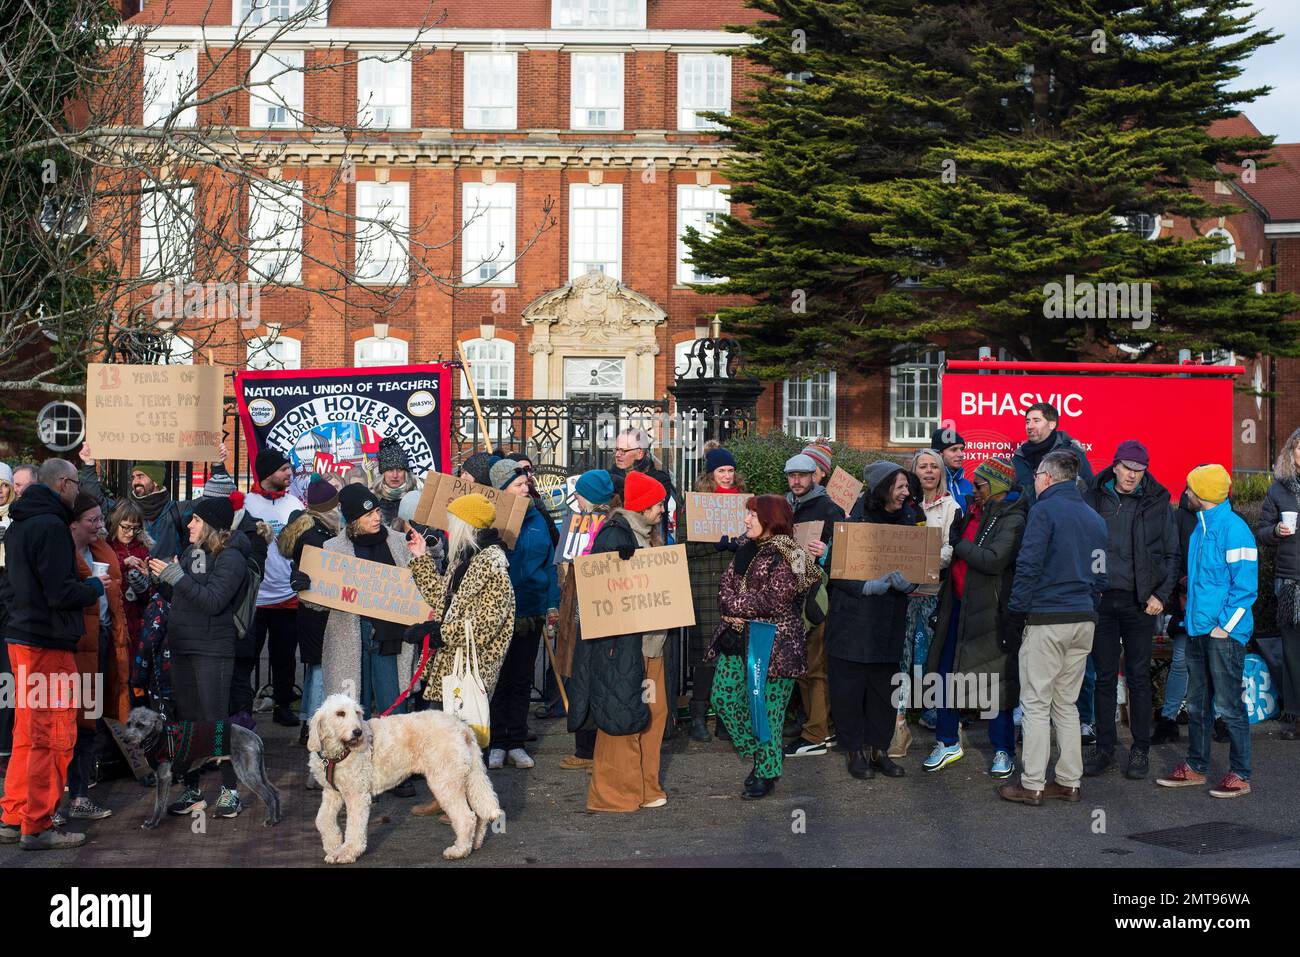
<point>1052,580</point>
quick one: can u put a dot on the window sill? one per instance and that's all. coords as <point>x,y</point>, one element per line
<point>488,285</point>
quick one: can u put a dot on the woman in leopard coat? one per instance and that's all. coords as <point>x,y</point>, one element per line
<point>475,589</point>
<point>767,581</point>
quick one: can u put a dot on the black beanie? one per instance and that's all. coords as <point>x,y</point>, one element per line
<point>356,500</point>
<point>218,513</point>
<point>945,439</point>
<point>268,462</point>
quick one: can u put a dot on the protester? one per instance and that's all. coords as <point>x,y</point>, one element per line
<point>968,627</point>
<point>395,478</point>
<point>1051,615</point>
<point>821,454</point>
<point>44,599</point>
<point>364,656</point>
<point>525,465</point>
<point>130,544</point>
<point>1272,532</point>
<point>314,526</point>
<point>810,503</point>
<point>618,682</point>
<point>1141,571</point>
<point>479,467</point>
<point>865,631</point>
<point>475,594</point>
<point>537,607</point>
<point>8,495</point>
<point>941,511</point>
<point>632,454</point>
<point>594,494</point>
<point>766,582</point>
<point>101,656</point>
<point>1222,585</point>
<point>952,449</point>
<point>204,587</point>
<point>269,501</point>
<point>163,521</point>
<point>1043,436</point>
<point>25,476</point>
<point>707,561</point>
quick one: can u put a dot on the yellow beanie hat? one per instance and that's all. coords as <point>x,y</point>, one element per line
<point>1210,483</point>
<point>474,510</point>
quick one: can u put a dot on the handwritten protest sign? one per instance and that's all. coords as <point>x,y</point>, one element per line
<point>362,587</point>
<point>649,591</point>
<point>806,532</point>
<point>864,551</point>
<point>441,490</point>
<point>172,413</point>
<point>843,489</point>
<point>711,516</point>
<point>579,531</point>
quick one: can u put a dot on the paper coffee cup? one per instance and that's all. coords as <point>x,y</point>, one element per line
<point>1288,519</point>
<point>100,569</point>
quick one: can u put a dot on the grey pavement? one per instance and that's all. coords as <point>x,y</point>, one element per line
<point>817,817</point>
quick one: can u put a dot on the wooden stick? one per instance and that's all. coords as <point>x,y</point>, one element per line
<point>555,670</point>
<point>473,394</point>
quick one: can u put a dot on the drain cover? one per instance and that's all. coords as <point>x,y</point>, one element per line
<point>1213,837</point>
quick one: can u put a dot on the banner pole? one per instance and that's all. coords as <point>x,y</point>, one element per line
<point>473,394</point>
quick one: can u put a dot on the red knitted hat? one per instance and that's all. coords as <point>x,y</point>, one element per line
<point>641,492</point>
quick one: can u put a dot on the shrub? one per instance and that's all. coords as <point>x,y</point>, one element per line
<point>1250,487</point>
<point>761,459</point>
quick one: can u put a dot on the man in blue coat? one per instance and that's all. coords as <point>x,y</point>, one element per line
<point>1052,612</point>
<point>1222,584</point>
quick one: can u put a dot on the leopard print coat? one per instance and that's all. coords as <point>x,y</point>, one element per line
<point>485,598</point>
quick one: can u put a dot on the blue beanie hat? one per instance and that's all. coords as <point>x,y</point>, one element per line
<point>595,486</point>
<point>718,458</point>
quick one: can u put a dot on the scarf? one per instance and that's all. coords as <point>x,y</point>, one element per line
<point>374,548</point>
<point>270,495</point>
<point>1288,596</point>
<point>329,519</point>
<point>153,504</point>
<point>391,494</point>
<point>1034,451</point>
<point>640,527</point>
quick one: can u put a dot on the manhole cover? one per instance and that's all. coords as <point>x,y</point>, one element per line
<point>1213,837</point>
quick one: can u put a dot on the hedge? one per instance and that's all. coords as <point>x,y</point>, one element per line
<point>761,459</point>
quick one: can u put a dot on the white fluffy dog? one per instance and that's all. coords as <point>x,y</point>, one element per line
<point>354,759</point>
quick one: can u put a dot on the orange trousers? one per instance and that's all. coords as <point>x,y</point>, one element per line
<point>45,731</point>
<point>626,770</point>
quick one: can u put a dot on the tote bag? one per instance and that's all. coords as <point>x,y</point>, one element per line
<point>761,636</point>
<point>463,692</point>
<point>1258,690</point>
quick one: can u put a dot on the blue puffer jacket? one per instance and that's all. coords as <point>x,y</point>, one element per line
<point>532,567</point>
<point>1061,568</point>
<point>1222,574</point>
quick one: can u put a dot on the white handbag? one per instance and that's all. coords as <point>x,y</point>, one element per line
<point>463,692</point>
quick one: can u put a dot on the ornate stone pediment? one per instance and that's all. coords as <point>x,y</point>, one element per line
<point>595,308</point>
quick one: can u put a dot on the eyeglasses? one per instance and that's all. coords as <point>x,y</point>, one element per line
<point>635,448</point>
<point>130,528</point>
<point>73,479</point>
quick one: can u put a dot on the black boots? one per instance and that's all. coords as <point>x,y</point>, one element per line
<point>860,765</point>
<point>758,789</point>
<point>1166,730</point>
<point>883,763</point>
<point>699,730</point>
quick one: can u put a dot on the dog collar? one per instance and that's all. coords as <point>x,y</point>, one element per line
<point>330,765</point>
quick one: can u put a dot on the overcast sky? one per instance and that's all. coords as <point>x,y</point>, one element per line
<point>1277,66</point>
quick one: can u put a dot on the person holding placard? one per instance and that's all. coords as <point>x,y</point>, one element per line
<point>594,494</point>
<point>766,582</point>
<point>707,561</point>
<point>537,607</point>
<point>865,628</point>
<point>811,503</point>
<point>625,775</point>
<point>1276,529</point>
<point>203,586</point>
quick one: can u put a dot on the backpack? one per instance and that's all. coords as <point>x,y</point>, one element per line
<point>246,599</point>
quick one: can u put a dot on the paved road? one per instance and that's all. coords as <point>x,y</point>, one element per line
<point>818,816</point>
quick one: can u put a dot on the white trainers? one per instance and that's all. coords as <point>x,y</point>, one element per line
<point>657,802</point>
<point>520,758</point>
<point>496,759</point>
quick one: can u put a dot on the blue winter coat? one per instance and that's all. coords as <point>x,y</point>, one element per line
<point>532,567</point>
<point>1222,574</point>
<point>959,487</point>
<point>1061,568</point>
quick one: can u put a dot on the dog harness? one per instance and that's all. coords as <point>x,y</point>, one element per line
<point>330,765</point>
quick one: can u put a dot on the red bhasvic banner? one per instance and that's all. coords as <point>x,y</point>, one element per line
<point>1183,422</point>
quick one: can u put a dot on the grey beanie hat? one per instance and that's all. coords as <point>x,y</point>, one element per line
<point>218,485</point>
<point>877,472</point>
<point>406,507</point>
<point>6,474</point>
<point>504,472</point>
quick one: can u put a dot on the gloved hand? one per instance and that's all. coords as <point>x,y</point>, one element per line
<point>626,552</point>
<point>136,583</point>
<point>437,550</point>
<point>899,583</point>
<point>1013,627</point>
<point>299,581</point>
<point>876,586</point>
<point>415,634</point>
<point>945,555</point>
<point>728,544</point>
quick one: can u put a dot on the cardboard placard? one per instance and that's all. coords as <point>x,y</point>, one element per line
<point>864,551</point>
<point>651,591</point>
<point>576,536</point>
<point>169,413</point>
<point>367,588</point>
<point>709,516</point>
<point>135,759</point>
<point>441,490</point>
<point>843,489</point>
<point>806,532</point>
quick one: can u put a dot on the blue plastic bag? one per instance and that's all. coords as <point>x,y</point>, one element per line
<point>761,636</point>
<point>1258,691</point>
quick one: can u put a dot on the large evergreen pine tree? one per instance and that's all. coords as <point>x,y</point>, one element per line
<point>923,172</point>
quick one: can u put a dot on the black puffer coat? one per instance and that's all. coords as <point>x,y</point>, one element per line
<point>608,673</point>
<point>990,566</point>
<point>1155,538</point>
<point>1278,500</point>
<point>204,591</point>
<point>869,628</point>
